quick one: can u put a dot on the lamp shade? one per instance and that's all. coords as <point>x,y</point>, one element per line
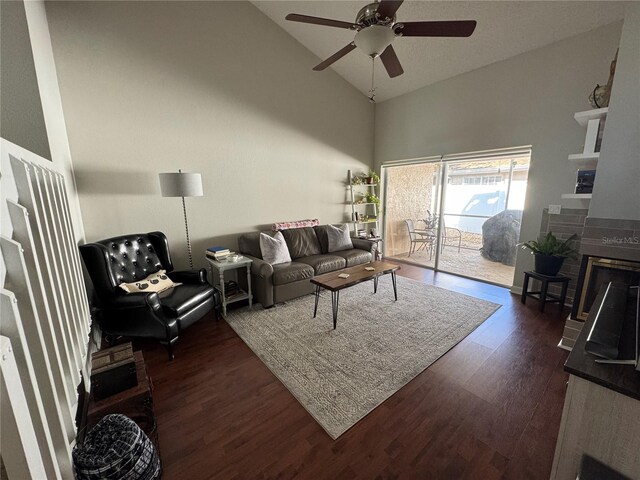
<point>181,184</point>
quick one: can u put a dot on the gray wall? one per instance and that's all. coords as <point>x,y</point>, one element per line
<point>21,117</point>
<point>529,99</point>
<point>209,87</point>
<point>616,193</point>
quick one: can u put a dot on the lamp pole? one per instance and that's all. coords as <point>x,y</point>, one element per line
<point>186,227</point>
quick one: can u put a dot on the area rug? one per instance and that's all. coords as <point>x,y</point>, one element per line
<point>341,375</point>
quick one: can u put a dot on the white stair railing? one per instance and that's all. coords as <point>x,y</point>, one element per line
<point>45,318</point>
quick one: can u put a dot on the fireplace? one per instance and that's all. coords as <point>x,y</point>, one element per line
<point>596,272</point>
<point>610,250</point>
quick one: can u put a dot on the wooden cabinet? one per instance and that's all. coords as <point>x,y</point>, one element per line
<point>599,422</point>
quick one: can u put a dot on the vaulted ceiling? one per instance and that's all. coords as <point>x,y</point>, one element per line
<point>505,29</point>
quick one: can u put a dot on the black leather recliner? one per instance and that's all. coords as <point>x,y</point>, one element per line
<point>162,315</point>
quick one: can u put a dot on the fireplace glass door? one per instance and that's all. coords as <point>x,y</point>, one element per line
<point>598,273</point>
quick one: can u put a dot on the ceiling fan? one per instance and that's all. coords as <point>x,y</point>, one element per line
<point>376,28</point>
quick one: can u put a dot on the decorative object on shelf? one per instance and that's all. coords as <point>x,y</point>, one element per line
<point>600,96</point>
<point>550,253</point>
<point>584,181</point>
<point>182,185</point>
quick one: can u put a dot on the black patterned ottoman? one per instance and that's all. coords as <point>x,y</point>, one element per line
<point>116,448</point>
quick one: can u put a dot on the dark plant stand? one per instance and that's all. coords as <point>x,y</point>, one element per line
<point>542,295</point>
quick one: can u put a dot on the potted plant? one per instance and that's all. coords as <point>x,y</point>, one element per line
<point>372,198</point>
<point>372,178</point>
<point>550,253</point>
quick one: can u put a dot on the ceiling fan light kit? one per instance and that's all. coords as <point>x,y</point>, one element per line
<point>374,40</point>
<point>376,29</point>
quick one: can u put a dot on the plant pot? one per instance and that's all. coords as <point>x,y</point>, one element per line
<point>369,180</point>
<point>548,265</point>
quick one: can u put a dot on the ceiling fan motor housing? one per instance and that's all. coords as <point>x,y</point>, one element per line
<point>367,16</point>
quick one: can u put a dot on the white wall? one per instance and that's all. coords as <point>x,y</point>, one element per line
<point>209,87</point>
<point>21,117</point>
<point>529,99</point>
<point>616,193</point>
<point>32,115</point>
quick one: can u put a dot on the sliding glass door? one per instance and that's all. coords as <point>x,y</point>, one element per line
<point>412,196</point>
<point>458,215</point>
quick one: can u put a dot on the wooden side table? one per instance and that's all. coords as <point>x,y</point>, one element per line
<point>217,272</point>
<point>542,295</point>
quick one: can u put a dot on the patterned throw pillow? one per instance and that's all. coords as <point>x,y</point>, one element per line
<point>156,282</point>
<point>274,249</point>
<point>338,238</point>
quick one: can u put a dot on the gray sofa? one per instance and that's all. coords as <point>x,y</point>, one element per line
<point>308,248</point>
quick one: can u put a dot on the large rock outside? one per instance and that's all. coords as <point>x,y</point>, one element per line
<point>500,237</point>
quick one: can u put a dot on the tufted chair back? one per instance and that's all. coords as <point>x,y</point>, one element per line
<point>125,259</point>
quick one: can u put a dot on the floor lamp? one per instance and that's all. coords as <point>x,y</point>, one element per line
<point>182,185</point>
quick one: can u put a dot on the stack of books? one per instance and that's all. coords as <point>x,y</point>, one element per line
<point>231,289</point>
<point>218,253</point>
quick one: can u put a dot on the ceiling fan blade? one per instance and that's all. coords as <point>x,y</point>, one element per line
<point>336,56</point>
<point>391,62</point>
<point>453,28</point>
<point>388,8</point>
<point>327,22</point>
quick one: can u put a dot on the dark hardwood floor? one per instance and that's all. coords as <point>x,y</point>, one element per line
<point>489,408</point>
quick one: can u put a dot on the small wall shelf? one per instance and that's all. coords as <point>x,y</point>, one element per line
<point>594,121</point>
<point>583,117</point>
<point>576,196</point>
<point>584,157</point>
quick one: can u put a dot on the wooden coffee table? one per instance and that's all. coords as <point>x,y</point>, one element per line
<point>358,274</point>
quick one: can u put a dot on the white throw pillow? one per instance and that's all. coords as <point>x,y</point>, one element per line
<point>338,238</point>
<point>274,249</point>
<point>156,282</point>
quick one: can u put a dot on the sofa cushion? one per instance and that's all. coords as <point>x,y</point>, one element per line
<point>355,256</point>
<point>274,249</point>
<point>177,301</point>
<point>302,242</point>
<point>284,273</point>
<point>339,238</point>
<point>324,263</point>
<point>321,233</point>
<point>249,243</point>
